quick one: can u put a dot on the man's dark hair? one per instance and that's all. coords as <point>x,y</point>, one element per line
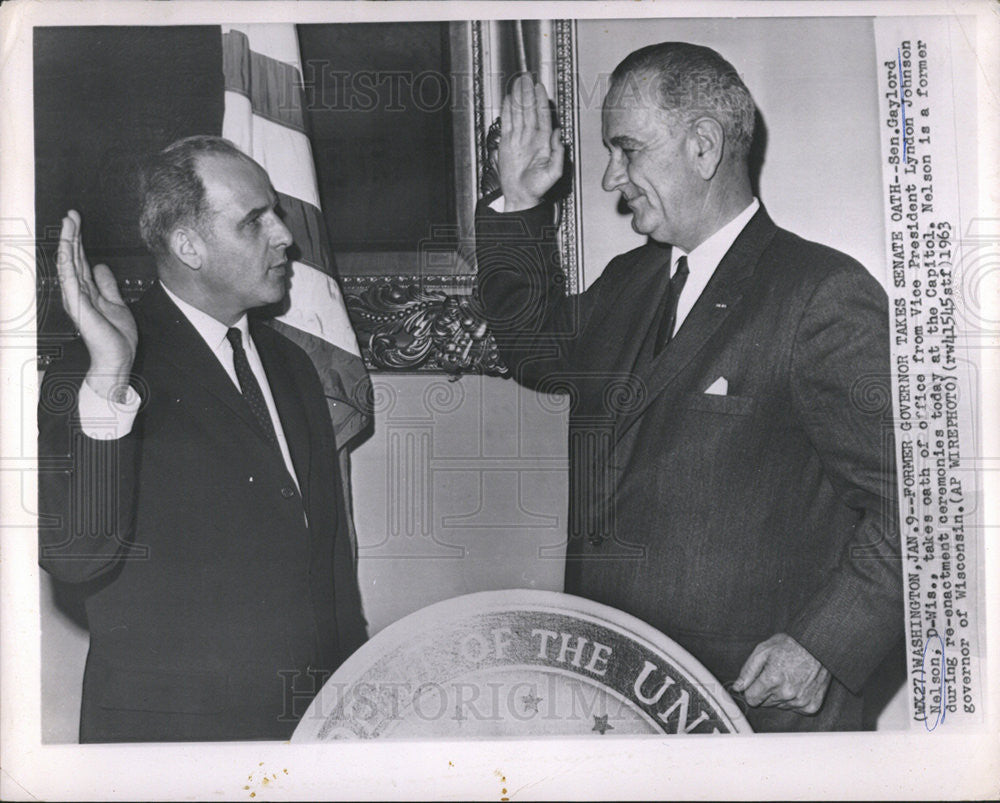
<point>692,82</point>
<point>172,191</point>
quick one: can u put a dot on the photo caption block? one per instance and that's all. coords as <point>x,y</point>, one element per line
<point>927,106</point>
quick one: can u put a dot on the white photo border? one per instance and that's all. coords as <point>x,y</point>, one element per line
<point>883,765</point>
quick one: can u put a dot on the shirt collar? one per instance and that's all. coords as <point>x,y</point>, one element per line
<point>707,256</point>
<point>212,331</point>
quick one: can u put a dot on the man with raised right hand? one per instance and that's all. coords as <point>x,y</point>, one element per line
<point>732,477</point>
<point>189,475</point>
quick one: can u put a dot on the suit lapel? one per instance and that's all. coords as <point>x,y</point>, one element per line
<point>720,298</point>
<point>643,298</point>
<point>614,344</point>
<point>288,400</point>
<point>169,331</point>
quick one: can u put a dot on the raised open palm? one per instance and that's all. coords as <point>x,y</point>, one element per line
<point>93,302</point>
<point>531,153</point>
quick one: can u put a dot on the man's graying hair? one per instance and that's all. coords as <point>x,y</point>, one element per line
<point>172,191</point>
<point>694,81</point>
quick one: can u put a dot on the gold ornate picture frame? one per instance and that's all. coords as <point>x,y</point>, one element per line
<point>428,319</point>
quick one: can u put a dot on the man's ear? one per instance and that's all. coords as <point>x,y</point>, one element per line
<point>707,142</point>
<point>187,246</point>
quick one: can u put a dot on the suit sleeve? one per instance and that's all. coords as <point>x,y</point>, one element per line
<point>523,291</point>
<point>841,386</point>
<point>86,486</point>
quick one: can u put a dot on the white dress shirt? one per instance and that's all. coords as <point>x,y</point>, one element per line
<point>103,419</point>
<point>704,259</point>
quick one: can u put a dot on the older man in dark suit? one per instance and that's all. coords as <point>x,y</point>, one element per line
<point>202,499</point>
<point>732,472</point>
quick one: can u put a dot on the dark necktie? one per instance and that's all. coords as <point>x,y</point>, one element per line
<point>249,385</point>
<point>669,319</point>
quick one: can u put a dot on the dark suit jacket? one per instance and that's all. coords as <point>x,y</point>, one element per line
<point>721,519</point>
<point>210,595</point>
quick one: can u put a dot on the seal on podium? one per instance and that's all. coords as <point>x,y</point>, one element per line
<point>518,663</point>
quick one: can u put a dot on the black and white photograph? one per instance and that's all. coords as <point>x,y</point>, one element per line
<point>418,400</point>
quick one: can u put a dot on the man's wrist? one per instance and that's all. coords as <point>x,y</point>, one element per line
<point>110,384</point>
<point>519,203</point>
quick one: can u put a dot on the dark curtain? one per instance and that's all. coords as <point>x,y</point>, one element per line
<point>105,98</point>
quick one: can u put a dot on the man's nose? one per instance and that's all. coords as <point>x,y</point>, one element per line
<point>614,174</point>
<point>281,236</point>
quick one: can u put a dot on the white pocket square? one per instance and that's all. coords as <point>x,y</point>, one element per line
<point>719,387</point>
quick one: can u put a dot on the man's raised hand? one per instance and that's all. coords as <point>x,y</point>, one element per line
<point>531,153</point>
<point>95,305</point>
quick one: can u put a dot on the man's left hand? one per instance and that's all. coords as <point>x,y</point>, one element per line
<point>781,673</point>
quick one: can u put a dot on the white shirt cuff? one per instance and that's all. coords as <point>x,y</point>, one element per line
<point>103,419</point>
<point>499,204</point>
